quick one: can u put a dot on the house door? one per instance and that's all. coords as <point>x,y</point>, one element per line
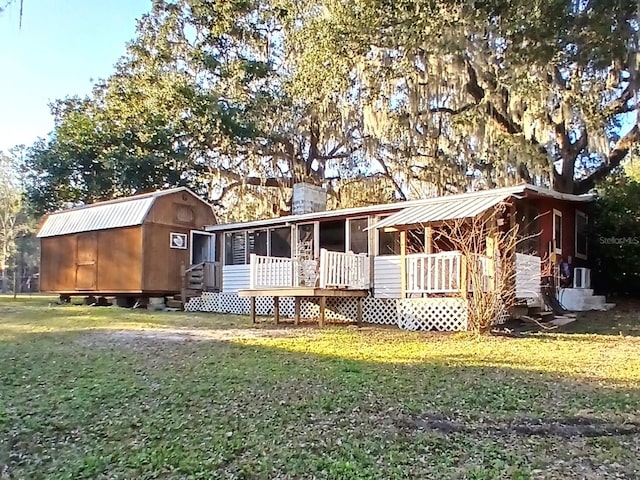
<point>86,261</point>
<point>203,250</point>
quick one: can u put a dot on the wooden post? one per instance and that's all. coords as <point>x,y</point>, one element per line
<point>323,306</point>
<point>183,284</point>
<point>276,309</point>
<point>403,263</point>
<point>428,240</point>
<point>296,306</point>
<point>359,312</point>
<point>253,309</point>
<point>324,268</point>
<point>464,286</point>
<point>252,271</point>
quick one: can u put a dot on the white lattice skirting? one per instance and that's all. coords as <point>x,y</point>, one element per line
<point>444,314</point>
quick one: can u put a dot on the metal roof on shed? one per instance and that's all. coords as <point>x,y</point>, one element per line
<point>102,217</point>
<point>122,212</point>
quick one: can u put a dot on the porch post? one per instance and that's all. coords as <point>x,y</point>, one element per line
<point>428,240</point>
<point>464,282</point>
<point>359,311</point>
<point>252,301</point>
<point>323,306</point>
<point>508,263</point>
<point>403,263</point>
<point>252,271</point>
<point>296,306</point>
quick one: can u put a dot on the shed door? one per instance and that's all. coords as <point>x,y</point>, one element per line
<point>86,261</point>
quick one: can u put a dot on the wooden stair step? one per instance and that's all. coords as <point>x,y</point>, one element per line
<point>174,304</point>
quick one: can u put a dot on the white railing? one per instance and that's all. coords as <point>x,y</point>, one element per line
<point>344,270</point>
<point>271,272</point>
<point>337,270</point>
<point>434,272</point>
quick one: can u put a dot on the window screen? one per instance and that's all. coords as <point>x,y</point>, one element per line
<point>358,237</point>
<point>280,242</point>
<point>235,248</point>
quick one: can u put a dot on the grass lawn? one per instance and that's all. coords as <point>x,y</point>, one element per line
<point>103,392</point>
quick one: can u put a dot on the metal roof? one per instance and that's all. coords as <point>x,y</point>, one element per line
<point>122,212</point>
<point>444,209</point>
<point>392,207</point>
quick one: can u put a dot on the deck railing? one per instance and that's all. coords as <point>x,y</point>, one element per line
<point>434,272</point>
<point>212,276</point>
<point>271,272</point>
<point>344,270</point>
<point>335,270</point>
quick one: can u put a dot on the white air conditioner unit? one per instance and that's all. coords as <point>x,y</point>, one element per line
<point>581,277</point>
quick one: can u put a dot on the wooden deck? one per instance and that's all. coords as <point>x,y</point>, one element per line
<point>298,293</point>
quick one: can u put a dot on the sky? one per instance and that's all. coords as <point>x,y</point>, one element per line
<point>62,48</point>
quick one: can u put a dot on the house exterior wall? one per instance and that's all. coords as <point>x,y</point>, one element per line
<point>235,277</point>
<point>386,276</point>
<point>568,209</point>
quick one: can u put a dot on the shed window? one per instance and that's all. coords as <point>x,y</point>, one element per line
<point>581,234</point>
<point>280,242</point>
<point>184,214</point>
<point>235,248</point>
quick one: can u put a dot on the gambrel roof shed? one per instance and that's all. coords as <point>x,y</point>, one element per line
<point>122,212</point>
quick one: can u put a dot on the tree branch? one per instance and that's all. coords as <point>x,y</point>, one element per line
<point>616,155</point>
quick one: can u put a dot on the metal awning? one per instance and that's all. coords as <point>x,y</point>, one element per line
<point>442,209</point>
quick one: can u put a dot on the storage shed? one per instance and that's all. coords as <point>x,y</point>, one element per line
<point>130,247</point>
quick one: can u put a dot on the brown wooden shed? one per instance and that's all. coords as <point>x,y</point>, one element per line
<point>132,247</point>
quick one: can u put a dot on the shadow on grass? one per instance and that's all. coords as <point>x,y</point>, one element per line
<point>624,319</point>
<point>211,409</point>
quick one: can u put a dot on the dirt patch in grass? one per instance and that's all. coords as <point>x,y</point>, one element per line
<point>561,427</point>
<point>132,338</point>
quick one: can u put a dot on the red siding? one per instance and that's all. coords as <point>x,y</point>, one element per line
<point>568,209</point>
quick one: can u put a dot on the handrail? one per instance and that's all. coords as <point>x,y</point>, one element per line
<point>193,267</point>
<point>344,269</point>
<point>434,272</point>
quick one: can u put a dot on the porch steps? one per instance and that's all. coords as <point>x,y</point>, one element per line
<point>193,283</point>
<point>541,318</point>
<point>582,300</point>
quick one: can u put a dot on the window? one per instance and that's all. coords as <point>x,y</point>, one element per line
<point>280,242</point>
<point>557,231</point>
<point>305,247</point>
<point>184,214</point>
<point>527,218</point>
<point>581,234</point>
<point>358,237</point>
<point>235,248</point>
<point>388,243</point>
<point>332,235</point>
<point>257,243</point>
